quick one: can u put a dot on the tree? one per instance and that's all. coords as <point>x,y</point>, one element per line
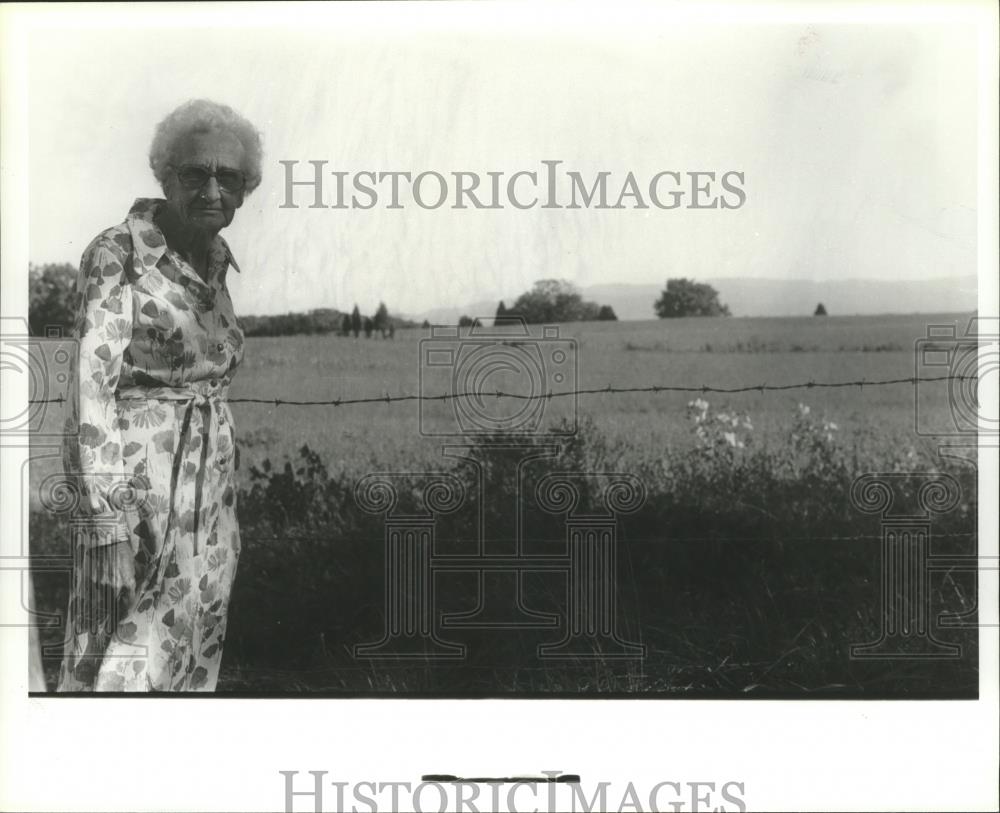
<point>369,327</point>
<point>345,325</point>
<point>820,310</point>
<point>465,321</point>
<point>383,322</point>
<point>50,302</point>
<point>426,324</point>
<point>356,322</point>
<point>381,318</point>
<point>685,297</point>
<point>553,300</point>
<point>550,300</point>
<point>606,314</point>
<point>500,314</point>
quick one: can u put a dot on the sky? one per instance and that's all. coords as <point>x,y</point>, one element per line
<point>857,146</point>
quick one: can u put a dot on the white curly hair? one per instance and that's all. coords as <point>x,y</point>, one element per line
<point>205,116</point>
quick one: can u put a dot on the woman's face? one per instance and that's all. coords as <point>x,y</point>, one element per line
<point>210,206</point>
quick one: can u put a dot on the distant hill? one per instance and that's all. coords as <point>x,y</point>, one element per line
<point>450,316</point>
<point>771,297</point>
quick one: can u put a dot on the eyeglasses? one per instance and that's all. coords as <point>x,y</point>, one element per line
<point>192,176</point>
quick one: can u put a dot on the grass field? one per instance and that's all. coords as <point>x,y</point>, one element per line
<point>746,572</point>
<point>684,352</point>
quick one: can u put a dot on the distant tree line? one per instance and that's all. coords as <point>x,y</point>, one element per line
<point>50,305</point>
<point>327,320</point>
<point>548,301</point>
<point>319,320</point>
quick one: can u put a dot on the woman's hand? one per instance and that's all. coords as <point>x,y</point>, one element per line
<point>110,569</point>
<point>110,557</point>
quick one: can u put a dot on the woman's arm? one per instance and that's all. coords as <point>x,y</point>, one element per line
<point>104,329</point>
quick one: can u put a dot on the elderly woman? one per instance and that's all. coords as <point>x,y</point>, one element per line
<point>158,346</point>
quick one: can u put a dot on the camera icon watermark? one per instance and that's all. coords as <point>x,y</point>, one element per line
<point>44,365</point>
<point>497,379</point>
<point>957,366</point>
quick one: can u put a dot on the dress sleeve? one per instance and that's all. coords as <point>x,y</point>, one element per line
<point>104,330</point>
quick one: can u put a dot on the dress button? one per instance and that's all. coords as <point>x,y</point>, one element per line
<point>220,347</point>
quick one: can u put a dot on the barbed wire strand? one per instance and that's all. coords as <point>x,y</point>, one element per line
<point>648,540</point>
<point>653,388</point>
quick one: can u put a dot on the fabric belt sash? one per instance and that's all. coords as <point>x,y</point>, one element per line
<point>205,396</point>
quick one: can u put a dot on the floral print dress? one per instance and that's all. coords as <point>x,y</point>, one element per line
<point>157,350</point>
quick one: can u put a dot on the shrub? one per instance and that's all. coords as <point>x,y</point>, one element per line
<point>50,303</point>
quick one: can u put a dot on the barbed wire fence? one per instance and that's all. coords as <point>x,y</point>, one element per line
<point>860,384</point>
<point>702,389</point>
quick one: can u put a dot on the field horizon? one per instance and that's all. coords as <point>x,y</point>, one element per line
<point>764,296</point>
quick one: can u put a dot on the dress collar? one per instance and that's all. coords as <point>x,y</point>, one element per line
<point>148,240</point>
